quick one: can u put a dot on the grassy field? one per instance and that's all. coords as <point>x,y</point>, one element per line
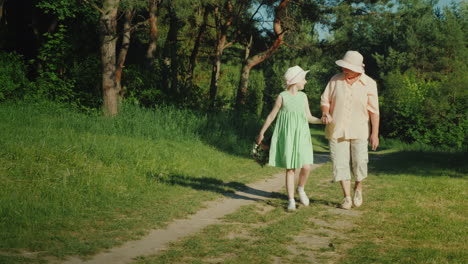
<point>415,211</point>
<point>75,184</point>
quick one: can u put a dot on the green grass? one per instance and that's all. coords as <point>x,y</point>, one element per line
<point>258,233</point>
<point>414,212</point>
<point>76,184</point>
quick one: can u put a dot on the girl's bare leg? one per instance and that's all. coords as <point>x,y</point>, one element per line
<point>303,175</point>
<point>290,183</point>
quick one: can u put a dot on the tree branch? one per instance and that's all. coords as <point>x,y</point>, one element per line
<point>95,6</point>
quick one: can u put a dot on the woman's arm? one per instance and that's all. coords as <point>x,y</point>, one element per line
<point>374,138</point>
<point>326,117</point>
<point>325,102</point>
<point>270,118</point>
<point>312,119</point>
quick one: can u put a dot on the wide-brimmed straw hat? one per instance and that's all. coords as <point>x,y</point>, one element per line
<point>294,75</point>
<point>352,60</point>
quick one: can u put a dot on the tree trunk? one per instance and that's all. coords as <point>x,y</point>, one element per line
<point>245,73</point>
<point>243,85</point>
<point>2,2</point>
<point>108,56</point>
<point>170,52</point>
<point>123,52</point>
<point>196,46</point>
<point>257,59</point>
<point>220,46</point>
<point>153,20</point>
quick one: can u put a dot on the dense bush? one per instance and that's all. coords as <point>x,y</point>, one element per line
<point>13,81</point>
<point>414,109</point>
<point>254,102</point>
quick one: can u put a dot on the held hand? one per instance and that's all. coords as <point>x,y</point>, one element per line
<point>329,119</point>
<point>259,139</point>
<point>326,119</point>
<point>374,141</point>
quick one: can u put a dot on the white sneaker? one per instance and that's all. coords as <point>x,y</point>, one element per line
<point>303,197</point>
<point>292,205</point>
<point>357,200</point>
<point>346,204</point>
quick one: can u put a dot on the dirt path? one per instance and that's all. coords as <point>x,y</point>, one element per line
<point>158,240</point>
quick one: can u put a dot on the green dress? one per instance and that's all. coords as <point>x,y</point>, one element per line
<point>291,144</point>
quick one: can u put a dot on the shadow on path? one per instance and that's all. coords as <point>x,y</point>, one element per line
<point>231,189</point>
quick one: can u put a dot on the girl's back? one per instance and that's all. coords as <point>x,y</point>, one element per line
<point>293,103</point>
<point>291,144</point>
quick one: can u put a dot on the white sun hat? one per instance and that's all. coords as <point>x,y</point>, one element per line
<point>352,60</point>
<point>294,75</point>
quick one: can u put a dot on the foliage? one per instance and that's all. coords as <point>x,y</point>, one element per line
<point>418,110</point>
<point>13,81</point>
<point>61,8</point>
<point>143,86</point>
<point>254,101</point>
<point>84,72</point>
<point>412,41</point>
<point>52,82</point>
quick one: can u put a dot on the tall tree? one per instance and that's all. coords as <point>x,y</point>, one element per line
<point>207,8</point>
<point>221,38</point>
<point>113,60</point>
<point>2,2</point>
<point>153,7</point>
<point>128,16</point>
<point>108,29</point>
<point>171,49</point>
<point>250,62</point>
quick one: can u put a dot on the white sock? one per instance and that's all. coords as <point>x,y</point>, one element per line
<point>300,189</point>
<point>292,200</point>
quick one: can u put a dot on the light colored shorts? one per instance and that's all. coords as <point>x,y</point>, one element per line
<point>349,151</point>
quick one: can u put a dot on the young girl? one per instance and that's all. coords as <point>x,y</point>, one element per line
<point>291,144</point>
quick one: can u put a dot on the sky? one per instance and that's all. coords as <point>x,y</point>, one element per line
<point>323,33</point>
<point>445,2</point>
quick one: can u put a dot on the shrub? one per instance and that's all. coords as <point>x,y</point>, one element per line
<point>254,102</point>
<point>424,111</point>
<point>13,81</point>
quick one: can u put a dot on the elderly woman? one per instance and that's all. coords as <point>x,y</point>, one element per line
<point>349,101</point>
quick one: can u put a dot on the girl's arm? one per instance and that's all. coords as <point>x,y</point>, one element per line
<point>312,119</point>
<point>270,118</point>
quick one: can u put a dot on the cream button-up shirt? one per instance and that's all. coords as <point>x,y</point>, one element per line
<point>349,106</point>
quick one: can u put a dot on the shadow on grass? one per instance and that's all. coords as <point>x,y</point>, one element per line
<point>321,157</point>
<point>234,190</point>
<point>325,202</point>
<point>283,197</point>
<point>424,164</point>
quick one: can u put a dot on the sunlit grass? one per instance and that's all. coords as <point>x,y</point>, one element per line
<point>75,184</point>
<point>414,212</point>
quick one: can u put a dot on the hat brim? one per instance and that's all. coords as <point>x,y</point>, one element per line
<point>298,78</point>
<point>354,68</point>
